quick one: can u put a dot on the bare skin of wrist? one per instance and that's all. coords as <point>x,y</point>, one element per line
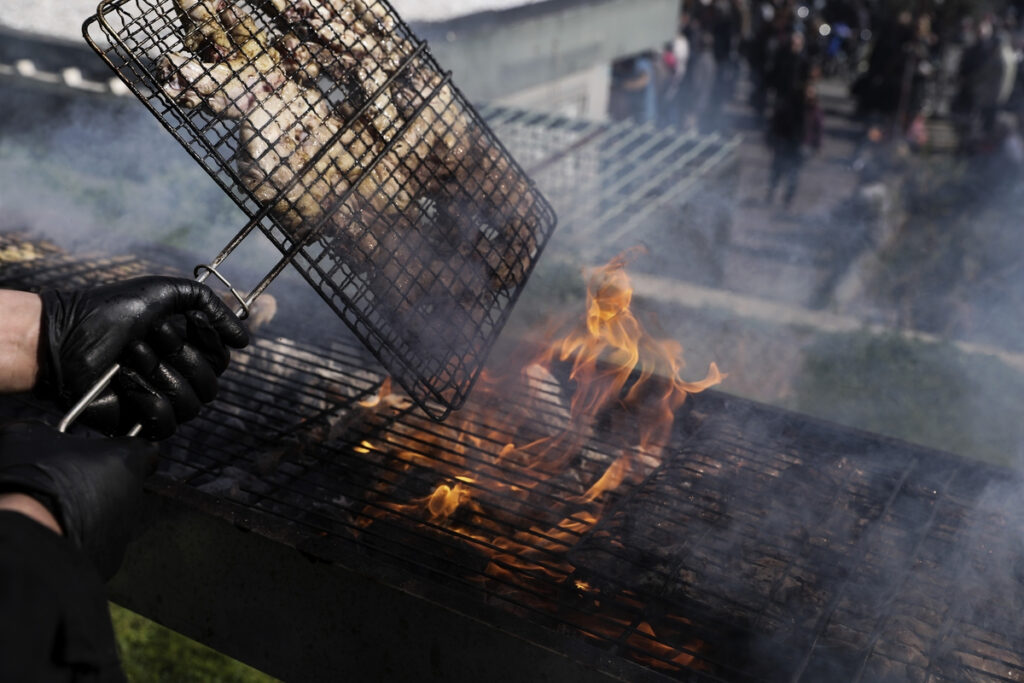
<point>31,508</point>
<point>20,314</point>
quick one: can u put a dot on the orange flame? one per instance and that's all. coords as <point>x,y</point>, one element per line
<point>611,479</point>
<point>445,500</point>
<point>618,372</point>
<point>615,362</point>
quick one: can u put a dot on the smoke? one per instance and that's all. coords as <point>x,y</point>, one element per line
<point>100,174</point>
<point>883,299</point>
<point>991,564</point>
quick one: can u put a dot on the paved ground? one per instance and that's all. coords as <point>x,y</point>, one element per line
<point>793,254</point>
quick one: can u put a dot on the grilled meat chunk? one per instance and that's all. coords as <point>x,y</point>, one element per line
<point>399,134</point>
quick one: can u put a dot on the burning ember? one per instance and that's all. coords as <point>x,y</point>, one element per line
<point>606,376</point>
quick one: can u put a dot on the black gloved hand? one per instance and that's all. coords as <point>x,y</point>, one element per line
<point>93,486</point>
<point>169,334</point>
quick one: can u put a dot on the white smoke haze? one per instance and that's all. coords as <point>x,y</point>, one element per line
<point>932,253</point>
<point>100,176</point>
<point>891,305</point>
<point>96,176</point>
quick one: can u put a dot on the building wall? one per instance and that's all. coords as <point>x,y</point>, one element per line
<point>582,95</point>
<point>552,55</point>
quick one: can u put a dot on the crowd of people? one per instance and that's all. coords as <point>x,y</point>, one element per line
<point>963,67</point>
<point>902,63</point>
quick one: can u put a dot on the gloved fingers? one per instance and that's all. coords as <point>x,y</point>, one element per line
<point>169,368</point>
<point>177,390</point>
<point>167,334</point>
<point>197,371</point>
<point>199,297</point>
<point>201,333</point>
<point>158,393</point>
<point>108,413</point>
<point>131,401</point>
<point>140,357</point>
<point>105,414</point>
<point>169,341</point>
<point>142,402</point>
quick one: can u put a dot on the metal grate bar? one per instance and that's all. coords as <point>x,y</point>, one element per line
<point>612,181</point>
<point>679,192</point>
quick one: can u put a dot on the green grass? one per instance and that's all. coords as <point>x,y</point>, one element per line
<point>150,652</point>
<point>932,394</point>
<point>929,393</point>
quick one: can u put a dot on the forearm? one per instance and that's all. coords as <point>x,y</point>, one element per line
<point>20,313</point>
<point>31,508</point>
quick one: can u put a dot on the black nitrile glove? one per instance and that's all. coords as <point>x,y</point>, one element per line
<point>170,335</point>
<point>93,486</point>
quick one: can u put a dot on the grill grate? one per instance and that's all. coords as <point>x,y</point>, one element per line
<point>335,131</point>
<point>613,184</point>
<point>766,546</point>
<point>832,555</point>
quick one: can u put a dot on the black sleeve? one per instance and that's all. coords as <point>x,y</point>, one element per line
<point>54,620</point>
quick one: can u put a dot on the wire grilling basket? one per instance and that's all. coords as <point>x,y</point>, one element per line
<point>332,127</point>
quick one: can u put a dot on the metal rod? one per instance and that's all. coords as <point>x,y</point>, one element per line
<point>91,395</point>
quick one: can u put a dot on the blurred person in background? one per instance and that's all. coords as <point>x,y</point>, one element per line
<point>675,58</point>
<point>727,33</point>
<point>918,91</point>
<point>797,123</point>
<point>758,52</point>
<point>839,51</point>
<point>791,69</point>
<point>635,90</point>
<point>880,90</point>
<point>722,25</point>
<point>701,90</point>
<point>981,84</point>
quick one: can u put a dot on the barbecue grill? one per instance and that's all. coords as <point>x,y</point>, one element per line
<point>352,152</point>
<point>766,545</point>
